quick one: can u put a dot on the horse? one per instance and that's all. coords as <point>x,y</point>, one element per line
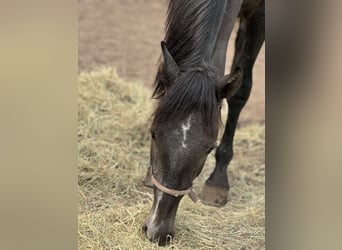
<point>190,86</point>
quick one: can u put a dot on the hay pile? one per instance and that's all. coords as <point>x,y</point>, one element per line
<point>113,134</point>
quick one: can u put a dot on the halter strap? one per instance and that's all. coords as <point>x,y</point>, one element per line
<point>173,192</point>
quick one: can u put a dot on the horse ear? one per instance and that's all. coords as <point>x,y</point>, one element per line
<point>171,69</point>
<point>232,83</point>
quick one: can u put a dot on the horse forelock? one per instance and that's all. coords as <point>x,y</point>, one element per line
<point>194,91</point>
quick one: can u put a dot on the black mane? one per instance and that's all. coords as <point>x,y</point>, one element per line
<point>191,30</point>
<point>194,91</point>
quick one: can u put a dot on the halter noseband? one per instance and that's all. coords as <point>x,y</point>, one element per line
<point>173,192</point>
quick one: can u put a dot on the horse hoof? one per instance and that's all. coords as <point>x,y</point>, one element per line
<point>214,196</point>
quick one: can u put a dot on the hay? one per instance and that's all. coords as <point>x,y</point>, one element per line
<point>114,118</point>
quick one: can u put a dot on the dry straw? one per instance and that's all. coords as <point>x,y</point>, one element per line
<point>113,144</point>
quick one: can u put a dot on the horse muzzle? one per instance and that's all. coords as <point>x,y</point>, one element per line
<point>161,235</point>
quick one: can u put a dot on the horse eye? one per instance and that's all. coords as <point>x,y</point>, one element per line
<point>153,134</point>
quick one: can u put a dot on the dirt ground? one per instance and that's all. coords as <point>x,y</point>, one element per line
<point>126,35</point>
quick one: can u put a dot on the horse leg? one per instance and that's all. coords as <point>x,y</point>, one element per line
<point>249,40</point>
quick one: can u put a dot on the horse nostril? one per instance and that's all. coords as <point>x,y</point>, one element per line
<point>144,228</point>
<point>163,241</point>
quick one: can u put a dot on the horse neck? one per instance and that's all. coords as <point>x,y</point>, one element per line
<point>219,52</point>
<point>197,31</point>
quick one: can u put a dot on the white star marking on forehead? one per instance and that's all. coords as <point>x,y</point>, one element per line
<point>185,128</point>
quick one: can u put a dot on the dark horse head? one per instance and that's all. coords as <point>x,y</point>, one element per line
<point>183,132</point>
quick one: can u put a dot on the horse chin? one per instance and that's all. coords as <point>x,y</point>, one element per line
<point>157,235</point>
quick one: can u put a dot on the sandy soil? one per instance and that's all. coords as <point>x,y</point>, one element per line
<point>126,35</point>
